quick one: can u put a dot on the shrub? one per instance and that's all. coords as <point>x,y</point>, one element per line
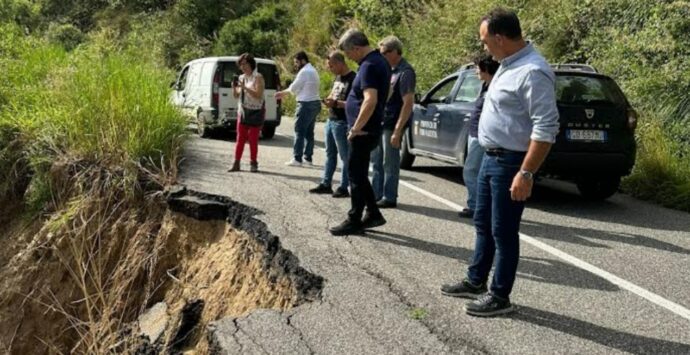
<point>262,33</point>
<point>66,35</point>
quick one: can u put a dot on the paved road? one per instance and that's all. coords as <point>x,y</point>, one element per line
<point>594,278</point>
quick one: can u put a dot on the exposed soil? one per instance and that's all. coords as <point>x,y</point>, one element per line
<point>78,281</point>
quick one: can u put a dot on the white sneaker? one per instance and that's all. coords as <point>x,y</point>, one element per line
<point>294,162</point>
<point>308,163</point>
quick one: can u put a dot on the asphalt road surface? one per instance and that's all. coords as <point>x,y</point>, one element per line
<point>594,277</point>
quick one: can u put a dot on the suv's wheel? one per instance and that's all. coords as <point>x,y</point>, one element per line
<point>598,188</point>
<point>268,131</point>
<point>406,157</point>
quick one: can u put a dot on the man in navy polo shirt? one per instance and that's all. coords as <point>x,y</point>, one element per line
<point>364,109</point>
<point>386,158</point>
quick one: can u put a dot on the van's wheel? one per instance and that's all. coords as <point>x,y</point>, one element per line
<point>268,132</point>
<point>406,157</point>
<point>201,129</point>
<point>599,188</point>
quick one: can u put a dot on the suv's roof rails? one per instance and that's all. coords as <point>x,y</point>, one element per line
<point>466,66</point>
<point>575,66</point>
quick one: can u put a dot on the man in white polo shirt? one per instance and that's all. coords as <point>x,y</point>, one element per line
<point>306,90</point>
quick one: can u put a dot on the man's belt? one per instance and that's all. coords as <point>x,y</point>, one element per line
<point>500,151</point>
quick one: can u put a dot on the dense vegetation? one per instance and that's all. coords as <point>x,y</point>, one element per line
<point>643,45</point>
<point>86,128</point>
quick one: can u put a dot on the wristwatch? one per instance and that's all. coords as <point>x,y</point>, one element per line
<point>527,174</point>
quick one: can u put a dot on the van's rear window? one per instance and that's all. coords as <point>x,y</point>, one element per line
<point>269,72</point>
<point>229,69</point>
<point>575,89</point>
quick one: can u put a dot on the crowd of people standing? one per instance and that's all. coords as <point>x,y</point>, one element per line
<point>512,128</point>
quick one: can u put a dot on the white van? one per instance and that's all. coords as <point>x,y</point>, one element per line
<point>203,90</point>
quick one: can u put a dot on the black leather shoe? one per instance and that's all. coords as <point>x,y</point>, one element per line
<point>466,213</point>
<point>321,189</point>
<point>348,227</point>
<point>383,203</point>
<point>370,221</point>
<point>339,193</point>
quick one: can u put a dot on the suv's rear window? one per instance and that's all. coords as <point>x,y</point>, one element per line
<point>575,89</point>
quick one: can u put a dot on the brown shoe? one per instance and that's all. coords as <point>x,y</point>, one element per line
<point>235,166</point>
<point>254,167</point>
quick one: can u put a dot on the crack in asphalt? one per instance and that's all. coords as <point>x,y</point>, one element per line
<point>301,335</point>
<point>389,284</point>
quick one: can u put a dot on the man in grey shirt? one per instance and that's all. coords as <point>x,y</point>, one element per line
<point>518,125</point>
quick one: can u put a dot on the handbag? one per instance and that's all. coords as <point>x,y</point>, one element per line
<point>252,117</point>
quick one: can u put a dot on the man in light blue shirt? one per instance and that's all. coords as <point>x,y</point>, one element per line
<point>518,125</point>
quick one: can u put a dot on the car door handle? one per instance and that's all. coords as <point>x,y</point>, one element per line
<point>225,95</point>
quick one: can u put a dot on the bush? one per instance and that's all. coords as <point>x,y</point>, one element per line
<point>662,170</point>
<point>262,33</point>
<point>98,105</point>
<point>66,35</point>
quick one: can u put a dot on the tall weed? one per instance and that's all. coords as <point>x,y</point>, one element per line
<point>662,170</point>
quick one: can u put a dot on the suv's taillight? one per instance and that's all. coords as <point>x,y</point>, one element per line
<point>215,89</point>
<point>632,119</point>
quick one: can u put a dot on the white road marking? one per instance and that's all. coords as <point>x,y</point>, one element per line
<point>624,284</point>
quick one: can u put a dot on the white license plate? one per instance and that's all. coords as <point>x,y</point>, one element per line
<point>231,113</point>
<point>588,135</point>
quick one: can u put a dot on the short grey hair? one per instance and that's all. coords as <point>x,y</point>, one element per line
<point>352,38</point>
<point>336,57</point>
<point>391,43</point>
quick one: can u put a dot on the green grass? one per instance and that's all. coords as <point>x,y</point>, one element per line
<point>418,313</point>
<point>662,169</point>
<point>98,104</point>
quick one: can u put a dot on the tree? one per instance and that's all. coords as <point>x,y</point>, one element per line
<point>264,33</point>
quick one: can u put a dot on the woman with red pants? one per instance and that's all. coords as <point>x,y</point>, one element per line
<point>250,89</point>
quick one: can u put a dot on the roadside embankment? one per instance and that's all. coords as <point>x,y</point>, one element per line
<point>83,281</point>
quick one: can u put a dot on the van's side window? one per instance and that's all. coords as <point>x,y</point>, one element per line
<point>182,81</point>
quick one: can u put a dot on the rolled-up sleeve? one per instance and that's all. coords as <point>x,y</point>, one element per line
<point>298,84</point>
<point>539,98</point>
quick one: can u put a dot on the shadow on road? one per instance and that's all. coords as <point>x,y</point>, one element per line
<point>447,172</point>
<point>315,179</point>
<point>611,338</point>
<point>588,237</point>
<point>540,270</point>
<point>440,213</point>
<point>562,198</point>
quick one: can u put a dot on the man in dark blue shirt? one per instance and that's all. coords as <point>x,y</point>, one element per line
<point>364,109</point>
<point>386,157</point>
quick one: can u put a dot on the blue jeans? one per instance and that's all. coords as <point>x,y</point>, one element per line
<point>336,144</point>
<point>304,129</point>
<point>497,221</point>
<point>386,161</point>
<point>470,170</point>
